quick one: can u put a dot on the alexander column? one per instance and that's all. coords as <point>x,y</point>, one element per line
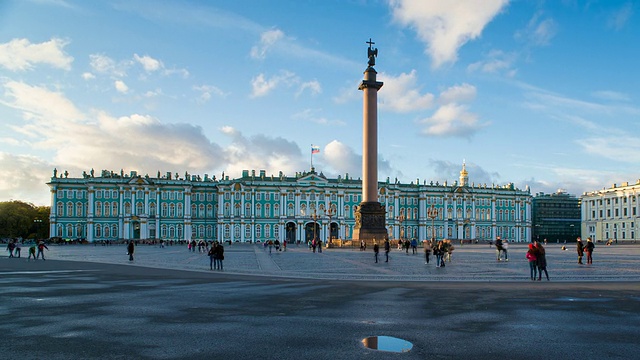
<point>370,215</point>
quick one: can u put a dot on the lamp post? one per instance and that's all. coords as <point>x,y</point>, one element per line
<point>330,214</point>
<point>432,213</point>
<point>401,219</point>
<point>314,216</point>
<point>37,223</point>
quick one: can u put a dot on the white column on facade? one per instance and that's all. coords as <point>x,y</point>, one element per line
<point>158,211</point>
<point>53,212</point>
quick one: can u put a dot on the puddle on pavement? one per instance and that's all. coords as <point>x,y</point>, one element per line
<point>387,343</point>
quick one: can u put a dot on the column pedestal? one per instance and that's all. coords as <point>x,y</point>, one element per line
<point>370,223</point>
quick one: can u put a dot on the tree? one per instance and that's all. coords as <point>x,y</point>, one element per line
<point>23,220</point>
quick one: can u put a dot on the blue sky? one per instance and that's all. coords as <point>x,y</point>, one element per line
<point>536,93</point>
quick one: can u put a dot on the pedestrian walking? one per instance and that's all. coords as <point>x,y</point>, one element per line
<point>414,246</point>
<point>32,252</point>
<point>541,261</point>
<point>41,247</point>
<point>498,248</point>
<point>505,250</point>
<point>130,249</point>
<point>427,251</point>
<point>376,250</point>
<point>17,250</point>
<point>11,247</point>
<point>588,249</point>
<point>387,248</point>
<point>532,257</point>
<point>579,249</point>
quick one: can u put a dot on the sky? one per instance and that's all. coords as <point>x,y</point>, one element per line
<point>541,94</point>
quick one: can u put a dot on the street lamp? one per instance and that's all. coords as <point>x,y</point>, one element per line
<point>330,214</point>
<point>432,213</point>
<point>401,219</point>
<point>314,216</point>
<point>37,223</point>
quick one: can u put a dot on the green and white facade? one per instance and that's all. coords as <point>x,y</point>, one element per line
<point>259,207</point>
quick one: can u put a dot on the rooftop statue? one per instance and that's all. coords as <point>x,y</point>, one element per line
<point>372,53</point>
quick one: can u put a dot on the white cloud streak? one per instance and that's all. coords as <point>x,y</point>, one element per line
<point>22,55</point>
<point>445,26</point>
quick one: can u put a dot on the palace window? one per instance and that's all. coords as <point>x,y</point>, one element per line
<point>267,210</point>
<point>139,209</point>
<point>98,230</point>
<point>127,208</point>
<point>98,209</point>
<point>247,231</point>
<point>276,231</point>
<point>258,231</point>
<point>172,213</point>
<point>180,211</point>
<point>247,209</point>
<point>107,209</point>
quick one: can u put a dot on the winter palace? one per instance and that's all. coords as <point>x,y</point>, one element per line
<point>258,207</point>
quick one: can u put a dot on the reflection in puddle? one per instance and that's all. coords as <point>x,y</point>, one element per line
<point>387,343</point>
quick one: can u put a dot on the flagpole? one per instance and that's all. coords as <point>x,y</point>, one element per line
<point>311,156</point>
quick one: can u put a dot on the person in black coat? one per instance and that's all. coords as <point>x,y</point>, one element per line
<point>130,250</point>
<point>579,249</point>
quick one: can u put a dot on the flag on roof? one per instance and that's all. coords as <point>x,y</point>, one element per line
<point>315,149</point>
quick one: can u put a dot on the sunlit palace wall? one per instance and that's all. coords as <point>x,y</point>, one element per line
<point>259,207</point>
<point>611,214</point>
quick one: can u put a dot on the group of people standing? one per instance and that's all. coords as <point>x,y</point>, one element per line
<point>585,249</point>
<point>216,255</point>
<point>15,249</point>
<point>536,256</point>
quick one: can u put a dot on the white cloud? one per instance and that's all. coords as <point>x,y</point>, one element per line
<point>21,54</point>
<point>121,86</point>
<point>342,159</point>
<point>314,116</point>
<point>40,102</point>
<point>261,152</point>
<point>267,40</point>
<point>611,95</point>
<point>445,26</point>
<point>206,91</point>
<point>539,30</point>
<point>452,120</point>
<point>106,65</point>
<point>148,63</point>
<point>620,17</point>
<point>23,179</point>
<point>261,86</point>
<point>313,87</point>
<point>495,61</point>
<point>458,93</point>
<point>401,94</point>
<point>88,76</point>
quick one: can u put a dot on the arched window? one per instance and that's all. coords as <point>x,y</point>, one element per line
<point>79,211</point>
<point>114,209</point>
<point>267,210</point>
<point>236,210</point>
<point>227,232</point>
<point>276,231</point>
<point>165,211</point>
<point>127,208</point>
<point>276,210</point>
<point>247,232</point>
<point>114,230</point>
<point>209,211</point>
<point>60,210</point>
<point>139,208</point>
<point>236,231</point>
<point>290,210</point>
<point>98,230</point>
<point>98,208</point>
<point>180,210</point>
<point>267,231</point>
<point>180,231</point>
<point>201,213</point>
<point>172,232</point>
<point>107,209</point>
<point>172,212</point>
<point>163,230</point>
<point>107,231</point>
<point>152,209</point>
<point>258,210</point>
<point>258,231</point>
<point>194,210</point>
<point>209,231</point>
<point>247,209</point>
<point>59,230</point>
<point>227,210</point>
<point>69,209</point>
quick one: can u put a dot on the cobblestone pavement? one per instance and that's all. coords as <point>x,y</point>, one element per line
<point>469,262</point>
